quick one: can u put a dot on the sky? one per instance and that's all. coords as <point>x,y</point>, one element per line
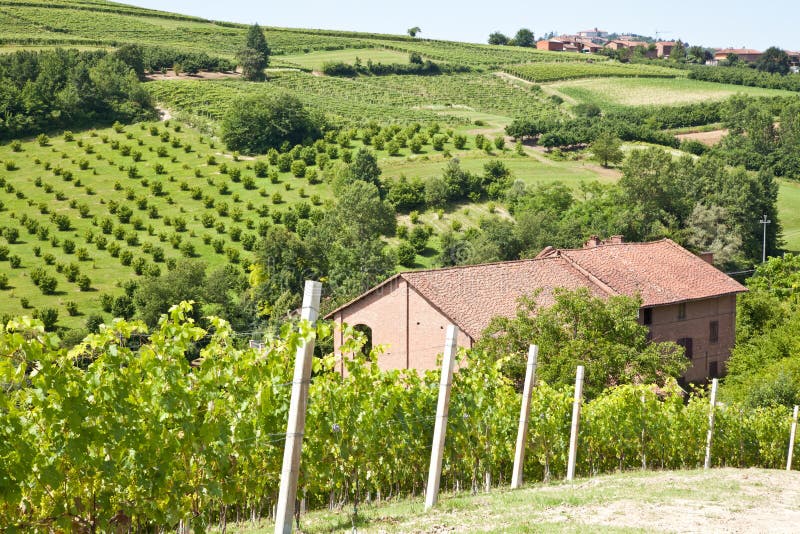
<point>713,23</point>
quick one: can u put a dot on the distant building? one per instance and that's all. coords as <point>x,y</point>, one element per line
<point>685,299</point>
<point>620,44</point>
<point>594,34</point>
<point>747,55</point>
<point>664,48</point>
<point>552,45</point>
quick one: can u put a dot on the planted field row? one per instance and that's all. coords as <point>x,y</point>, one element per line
<point>550,72</point>
<point>385,98</point>
<point>87,212</point>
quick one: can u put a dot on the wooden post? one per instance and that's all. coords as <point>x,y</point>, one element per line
<point>442,410</point>
<point>576,416</point>
<point>712,410</point>
<point>297,415</point>
<point>524,414</point>
<point>792,435</point>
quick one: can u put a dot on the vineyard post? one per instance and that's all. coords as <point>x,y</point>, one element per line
<point>576,415</point>
<point>792,435</point>
<point>442,410</point>
<point>524,414</point>
<point>297,414</point>
<point>711,412</point>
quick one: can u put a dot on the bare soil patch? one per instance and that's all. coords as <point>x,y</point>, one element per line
<point>707,138</point>
<point>170,75</point>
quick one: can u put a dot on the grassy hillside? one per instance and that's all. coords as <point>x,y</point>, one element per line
<point>720,500</point>
<point>614,93</point>
<point>188,197</point>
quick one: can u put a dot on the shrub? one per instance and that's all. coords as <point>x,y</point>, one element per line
<point>42,139</point>
<point>406,255</point>
<point>11,234</point>
<point>48,284</point>
<point>3,281</point>
<point>298,168</point>
<point>15,261</point>
<point>48,316</point>
<point>72,308</point>
<point>84,283</point>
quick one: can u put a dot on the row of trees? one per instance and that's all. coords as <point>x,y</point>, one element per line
<point>42,91</point>
<point>702,204</point>
<point>524,37</point>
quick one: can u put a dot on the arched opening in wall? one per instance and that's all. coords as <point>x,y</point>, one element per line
<point>367,331</point>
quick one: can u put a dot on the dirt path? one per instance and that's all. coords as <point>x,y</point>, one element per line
<point>707,138</point>
<point>170,75</point>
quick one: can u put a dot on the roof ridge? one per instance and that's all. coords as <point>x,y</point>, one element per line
<point>471,266</point>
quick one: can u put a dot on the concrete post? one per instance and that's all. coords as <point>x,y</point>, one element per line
<point>442,410</point>
<point>711,413</point>
<point>524,414</point>
<point>576,416</point>
<point>297,415</point>
<point>792,435</point>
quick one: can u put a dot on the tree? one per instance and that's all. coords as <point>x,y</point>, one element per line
<point>414,31</point>
<point>606,149</point>
<point>699,55</point>
<point>252,64</point>
<point>709,231</point>
<point>254,56</point>
<point>731,60</point>
<point>132,55</point>
<point>155,296</point>
<point>257,123</point>
<point>498,38</point>
<point>774,60</point>
<point>604,335</point>
<point>365,168</point>
<point>678,52</point>
<point>524,37</point>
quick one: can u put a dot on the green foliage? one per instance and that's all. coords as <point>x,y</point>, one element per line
<point>602,334</point>
<point>256,124</point>
<point>366,430</point>
<point>58,88</point>
<point>553,71</point>
<point>606,149</point>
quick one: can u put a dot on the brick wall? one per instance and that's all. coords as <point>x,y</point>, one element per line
<point>667,325</point>
<point>411,330</point>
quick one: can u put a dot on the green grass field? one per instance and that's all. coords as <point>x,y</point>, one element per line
<point>80,178</point>
<point>611,93</point>
<point>743,500</point>
<point>315,60</point>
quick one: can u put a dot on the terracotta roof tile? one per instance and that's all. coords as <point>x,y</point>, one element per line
<point>471,296</point>
<point>663,272</point>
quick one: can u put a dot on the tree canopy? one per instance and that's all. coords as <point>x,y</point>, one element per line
<point>603,335</point>
<point>498,38</point>
<point>254,56</point>
<point>774,60</point>
<point>257,123</point>
<point>524,37</point>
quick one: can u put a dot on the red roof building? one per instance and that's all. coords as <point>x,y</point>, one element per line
<point>684,299</point>
<point>747,55</point>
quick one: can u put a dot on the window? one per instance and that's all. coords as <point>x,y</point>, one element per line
<point>682,310</point>
<point>647,316</point>
<point>713,370</point>
<point>688,348</point>
<point>713,332</point>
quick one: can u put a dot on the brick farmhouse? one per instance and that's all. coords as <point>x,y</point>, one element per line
<point>684,299</point>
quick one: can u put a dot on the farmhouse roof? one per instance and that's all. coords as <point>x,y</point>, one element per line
<point>662,272</point>
<point>737,51</point>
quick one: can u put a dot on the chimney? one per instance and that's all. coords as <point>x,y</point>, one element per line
<point>617,239</point>
<point>593,242</point>
<point>707,257</point>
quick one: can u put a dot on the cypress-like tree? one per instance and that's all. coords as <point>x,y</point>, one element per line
<point>254,57</point>
<point>257,42</point>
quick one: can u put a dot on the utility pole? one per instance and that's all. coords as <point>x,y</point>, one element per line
<point>765,222</point>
